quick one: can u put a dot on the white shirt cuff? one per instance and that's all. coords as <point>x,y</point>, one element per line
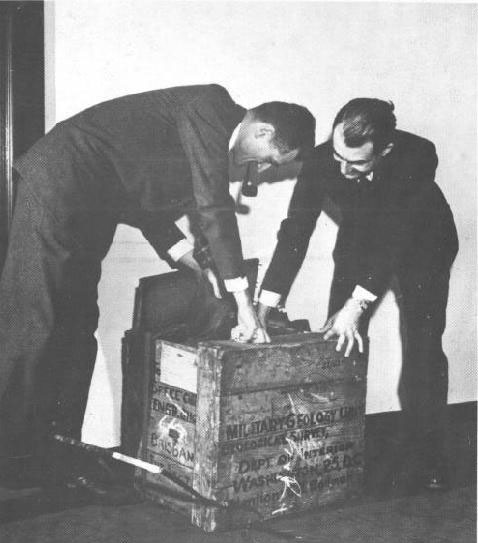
<point>236,284</point>
<point>179,249</point>
<point>271,299</point>
<point>361,293</point>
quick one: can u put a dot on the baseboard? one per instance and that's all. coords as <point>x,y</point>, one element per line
<point>464,411</point>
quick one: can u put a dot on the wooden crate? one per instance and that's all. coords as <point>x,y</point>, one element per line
<point>268,429</point>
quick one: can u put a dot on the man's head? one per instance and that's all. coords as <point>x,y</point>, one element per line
<point>274,133</point>
<point>363,134</point>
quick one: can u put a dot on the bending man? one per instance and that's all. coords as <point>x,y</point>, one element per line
<point>144,160</point>
<point>395,221</point>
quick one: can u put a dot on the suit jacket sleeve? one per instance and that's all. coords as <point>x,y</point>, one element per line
<point>295,231</point>
<point>162,235</point>
<point>205,128</point>
<point>406,200</point>
<point>161,231</point>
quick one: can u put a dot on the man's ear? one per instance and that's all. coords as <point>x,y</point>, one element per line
<point>387,149</point>
<point>265,130</point>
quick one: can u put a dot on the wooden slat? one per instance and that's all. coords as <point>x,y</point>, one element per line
<point>290,360</point>
<point>251,414</point>
<point>147,384</point>
<point>205,477</point>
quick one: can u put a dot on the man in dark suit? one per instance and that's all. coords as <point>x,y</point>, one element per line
<point>395,222</point>
<point>144,160</point>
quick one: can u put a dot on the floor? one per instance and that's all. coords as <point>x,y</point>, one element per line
<point>427,517</point>
<point>448,517</point>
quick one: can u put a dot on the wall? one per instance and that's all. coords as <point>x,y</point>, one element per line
<point>421,56</point>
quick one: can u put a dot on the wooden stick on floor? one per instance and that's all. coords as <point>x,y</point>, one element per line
<point>152,468</point>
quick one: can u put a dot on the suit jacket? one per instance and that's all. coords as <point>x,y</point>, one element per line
<point>145,160</point>
<point>398,219</point>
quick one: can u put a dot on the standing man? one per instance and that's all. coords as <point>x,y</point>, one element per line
<point>144,160</point>
<point>395,221</point>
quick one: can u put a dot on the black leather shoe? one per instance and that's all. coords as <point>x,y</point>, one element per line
<point>409,483</point>
<point>436,480</point>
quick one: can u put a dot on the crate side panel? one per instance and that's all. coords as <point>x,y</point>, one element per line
<point>289,450</point>
<point>171,432</point>
<point>168,437</point>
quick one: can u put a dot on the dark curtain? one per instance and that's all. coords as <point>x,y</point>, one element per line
<point>22,97</point>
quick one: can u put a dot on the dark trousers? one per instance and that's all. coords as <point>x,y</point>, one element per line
<point>48,317</point>
<point>422,296</point>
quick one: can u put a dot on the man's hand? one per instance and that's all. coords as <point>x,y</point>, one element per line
<point>211,278</point>
<point>263,314</point>
<point>249,329</point>
<point>205,274</point>
<point>344,324</point>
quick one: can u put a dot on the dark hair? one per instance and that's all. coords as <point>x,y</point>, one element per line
<point>367,119</point>
<point>294,125</point>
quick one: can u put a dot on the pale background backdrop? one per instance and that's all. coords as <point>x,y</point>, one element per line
<point>421,56</point>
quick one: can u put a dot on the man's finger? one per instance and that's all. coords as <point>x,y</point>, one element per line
<point>263,315</point>
<point>261,336</point>
<point>340,342</point>
<point>246,336</point>
<point>358,337</point>
<point>325,327</point>
<point>350,344</point>
<point>215,288</point>
<point>211,277</point>
<point>241,334</point>
<point>237,334</point>
<point>329,330</point>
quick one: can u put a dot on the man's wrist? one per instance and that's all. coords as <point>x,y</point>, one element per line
<point>189,261</point>
<point>242,298</point>
<point>363,297</point>
<point>203,256</point>
<point>245,307</point>
<point>359,304</point>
